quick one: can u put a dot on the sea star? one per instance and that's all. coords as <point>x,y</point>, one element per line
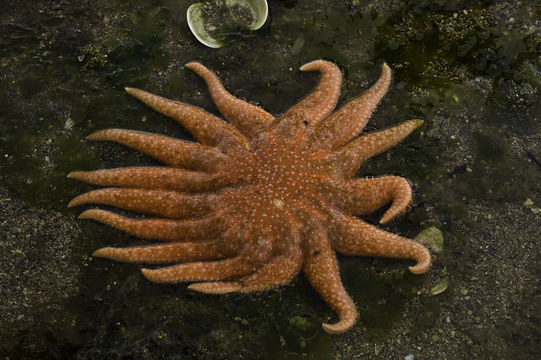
<point>259,197</point>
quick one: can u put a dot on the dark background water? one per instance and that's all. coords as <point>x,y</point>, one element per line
<point>470,69</point>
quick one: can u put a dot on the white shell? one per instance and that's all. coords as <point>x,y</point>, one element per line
<point>195,17</point>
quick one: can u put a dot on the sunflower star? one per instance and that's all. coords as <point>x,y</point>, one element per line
<point>258,198</point>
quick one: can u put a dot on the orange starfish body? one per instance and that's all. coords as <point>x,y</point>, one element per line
<point>259,197</point>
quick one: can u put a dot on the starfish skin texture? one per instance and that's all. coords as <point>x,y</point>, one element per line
<point>259,197</point>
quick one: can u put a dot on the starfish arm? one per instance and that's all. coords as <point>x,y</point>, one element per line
<point>248,118</point>
<point>164,229</point>
<point>205,127</point>
<point>197,271</point>
<point>216,287</point>
<point>347,159</point>
<point>353,236</point>
<point>293,124</point>
<point>154,178</point>
<point>166,253</point>
<point>173,152</point>
<point>279,270</point>
<point>164,203</point>
<point>322,100</point>
<point>321,270</point>
<point>364,196</point>
<point>252,251</point>
<point>348,121</point>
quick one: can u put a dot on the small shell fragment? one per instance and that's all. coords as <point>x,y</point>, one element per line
<point>439,287</point>
<point>432,237</point>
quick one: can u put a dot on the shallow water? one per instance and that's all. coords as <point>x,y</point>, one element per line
<point>470,69</point>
